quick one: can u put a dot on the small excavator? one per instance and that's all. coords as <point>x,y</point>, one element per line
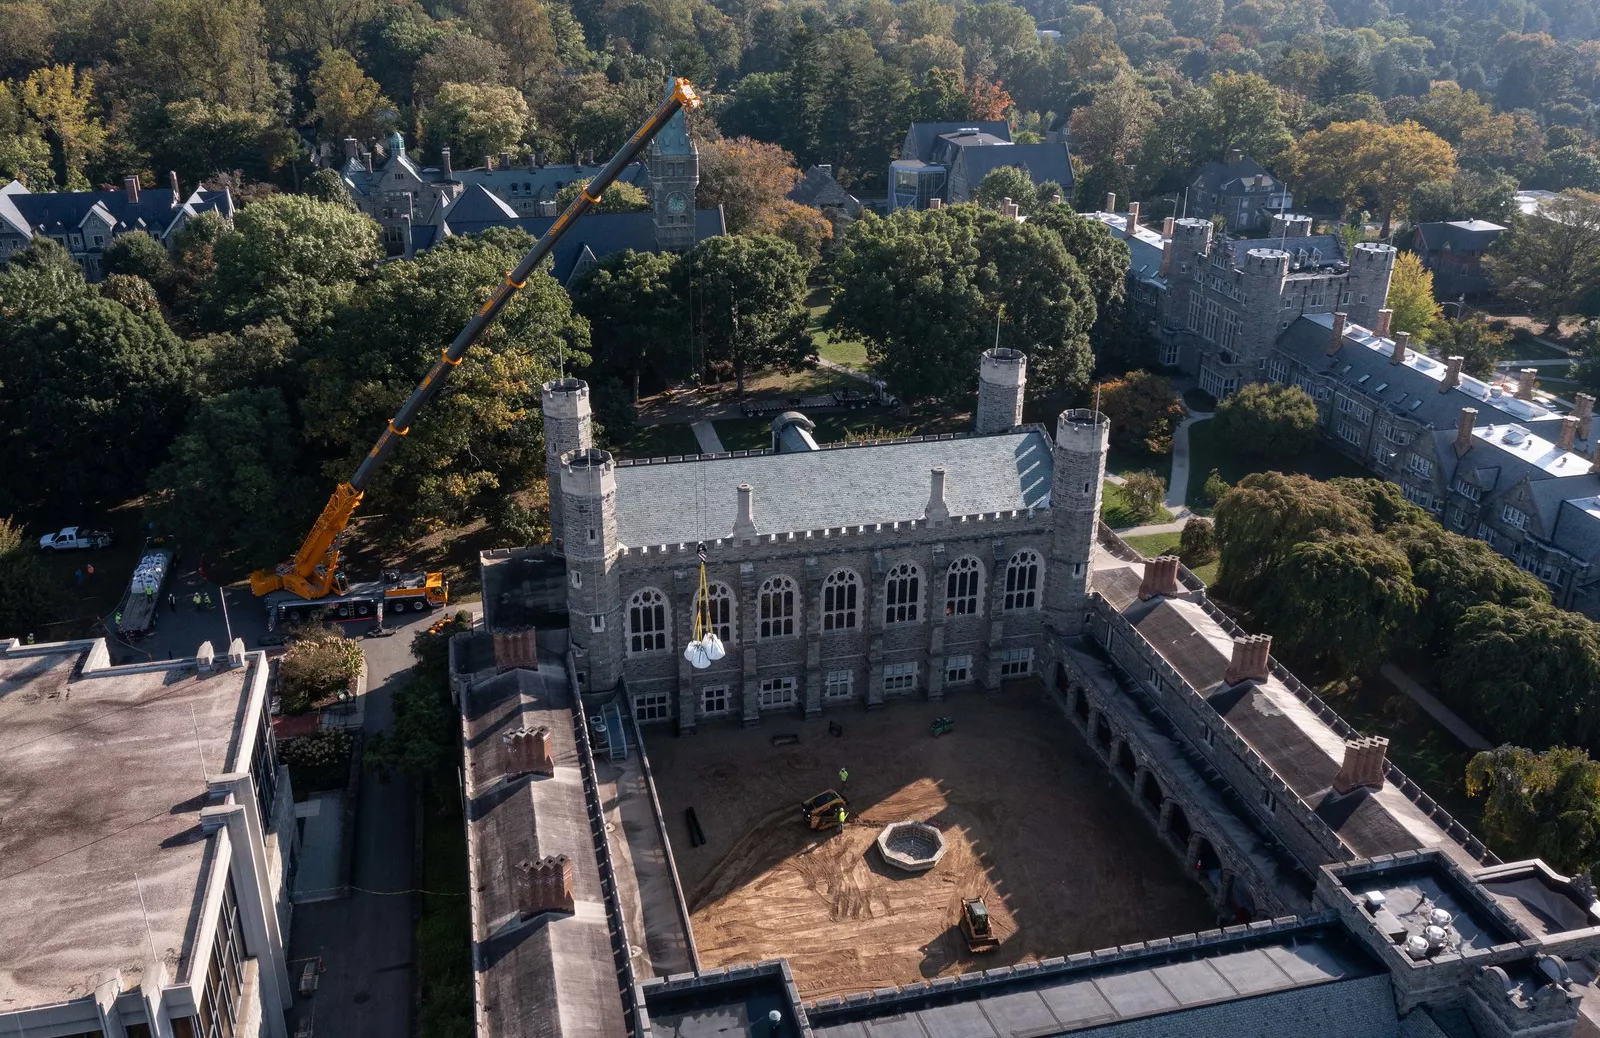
<point>311,586</point>
<point>822,810</point>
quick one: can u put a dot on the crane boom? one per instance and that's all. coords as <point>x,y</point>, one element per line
<point>313,572</point>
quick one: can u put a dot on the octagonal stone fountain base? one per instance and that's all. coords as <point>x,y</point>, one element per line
<point>912,846</point>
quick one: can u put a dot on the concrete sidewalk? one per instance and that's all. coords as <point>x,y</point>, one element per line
<point>1447,718</point>
<point>705,434</point>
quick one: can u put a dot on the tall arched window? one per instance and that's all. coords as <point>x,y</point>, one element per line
<point>963,584</point>
<point>840,592</point>
<point>1022,581</point>
<point>777,608</point>
<point>647,622</point>
<point>904,592</point>
<point>716,611</point>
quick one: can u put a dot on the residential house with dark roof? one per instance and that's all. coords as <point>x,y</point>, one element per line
<point>1454,251</point>
<point>1492,459</point>
<point>948,161</point>
<point>84,222</point>
<point>818,189</point>
<point>1241,191</point>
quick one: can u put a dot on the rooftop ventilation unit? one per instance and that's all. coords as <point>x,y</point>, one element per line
<point>1514,436</point>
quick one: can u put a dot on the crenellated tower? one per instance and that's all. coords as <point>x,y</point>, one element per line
<point>1002,377</point>
<point>568,426</point>
<point>1371,269</point>
<point>1082,439</point>
<point>588,481</point>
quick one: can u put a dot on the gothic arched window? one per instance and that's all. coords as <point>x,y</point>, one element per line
<point>1022,581</point>
<point>776,607</point>
<point>647,622</point>
<point>963,586</point>
<point>904,592</point>
<point>840,593</point>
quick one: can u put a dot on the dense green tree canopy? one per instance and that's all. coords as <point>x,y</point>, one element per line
<point>748,299</point>
<point>1544,805</point>
<point>1528,674</point>
<point>1269,420</point>
<point>638,315</point>
<point>1344,601</point>
<point>1551,259</point>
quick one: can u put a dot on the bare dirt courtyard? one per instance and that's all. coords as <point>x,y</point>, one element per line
<point>1032,821</point>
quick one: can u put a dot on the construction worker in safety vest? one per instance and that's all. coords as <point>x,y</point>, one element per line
<point>30,637</point>
<point>841,817</point>
<point>844,776</point>
<point>196,601</point>
<point>208,600</point>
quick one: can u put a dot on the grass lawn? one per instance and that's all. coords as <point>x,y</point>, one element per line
<point>849,352</point>
<point>1524,347</point>
<point>1427,753</point>
<point>658,441</point>
<point>1152,544</point>
<point>1206,453</point>
<point>1119,514</point>
<point>1120,463</point>
<point>444,929</point>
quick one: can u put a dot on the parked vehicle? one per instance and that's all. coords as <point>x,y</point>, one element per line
<point>73,538</point>
<point>841,400</point>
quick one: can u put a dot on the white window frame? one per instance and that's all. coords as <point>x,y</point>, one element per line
<point>1511,515</point>
<point>899,677</point>
<point>1024,581</point>
<point>776,694</point>
<point>1170,352</point>
<point>841,601</point>
<point>958,669</point>
<point>776,607</point>
<point>1420,466</point>
<point>652,707</point>
<point>902,594</point>
<point>839,686</point>
<point>1467,490</point>
<point>963,587</point>
<point>1016,663</point>
<point>649,622</point>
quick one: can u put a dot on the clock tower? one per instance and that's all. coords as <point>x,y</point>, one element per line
<point>674,172</point>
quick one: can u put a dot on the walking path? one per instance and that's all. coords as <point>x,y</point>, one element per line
<point>706,435</point>
<point>1447,718</point>
<point>833,365</point>
<point>1512,365</point>
<point>1178,485</point>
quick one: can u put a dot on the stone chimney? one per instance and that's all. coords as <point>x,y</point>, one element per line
<point>1010,209</point>
<point>1452,374</point>
<point>1464,423</point>
<point>542,886</point>
<point>368,157</point>
<point>744,524</point>
<point>1055,199</point>
<point>1336,337</point>
<point>488,163</point>
<point>1569,433</point>
<point>1111,201</point>
<point>505,160</point>
<point>1527,378</point>
<point>1384,317</point>
<point>130,185</point>
<point>1235,155</point>
<point>527,751</point>
<point>1249,661</point>
<point>937,511</point>
<point>935,203</point>
<point>1131,226</point>
<point>1160,577</point>
<point>172,182</point>
<point>1363,764</point>
<point>352,148</point>
<point>1402,342</point>
<point>1583,411</point>
<point>1166,228</point>
<point>515,648</point>
<point>444,162</point>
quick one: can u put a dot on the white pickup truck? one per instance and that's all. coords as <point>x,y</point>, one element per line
<point>73,537</point>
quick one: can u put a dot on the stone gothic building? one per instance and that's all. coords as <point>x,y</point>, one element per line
<point>939,572</point>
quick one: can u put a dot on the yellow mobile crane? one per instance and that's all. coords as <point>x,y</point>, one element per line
<point>310,586</point>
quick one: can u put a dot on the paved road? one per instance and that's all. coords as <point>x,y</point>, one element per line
<point>365,940</point>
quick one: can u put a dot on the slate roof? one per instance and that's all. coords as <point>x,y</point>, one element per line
<point>539,182</point>
<point>527,969</point>
<point>1327,248</point>
<point>1223,177</point>
<point>1044,162</point>
<point>1459,235</point>
<point>1412,387</point>
<point>1169,990</point>
<point>818,189</point>
<point>1144,251</point>
<point>59,212</point>
<point>664,503</point>
<point>602,234</point>
<point>921,137</point>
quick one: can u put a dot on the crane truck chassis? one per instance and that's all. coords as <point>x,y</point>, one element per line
<point>374,601</point>
<point>313,576</point>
